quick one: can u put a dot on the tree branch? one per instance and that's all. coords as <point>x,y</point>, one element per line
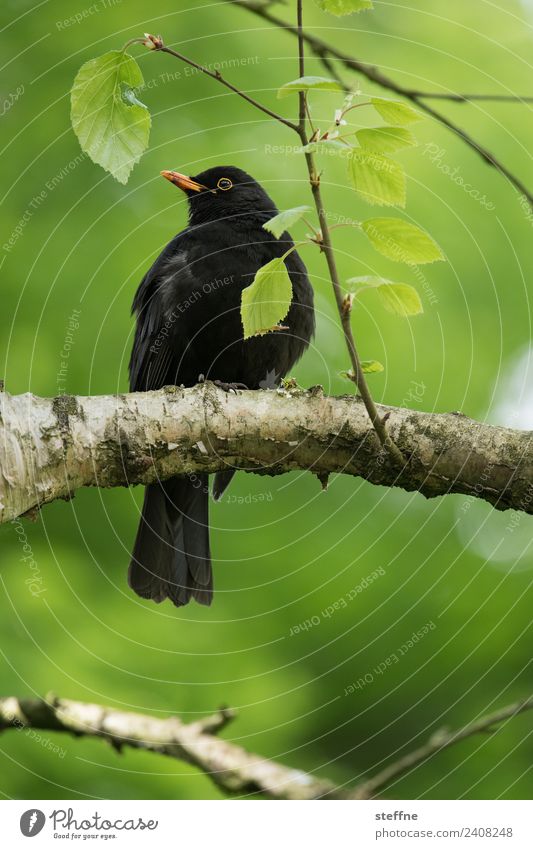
<point>230,767</point>
<point>323,50</point>
<point>216,75</point>
<point>51,447</point>
<point>455,97</point>
<point>442,739</point>
<point>343,306</point>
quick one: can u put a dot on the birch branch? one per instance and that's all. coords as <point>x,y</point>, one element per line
<point>50,447</point>
<point>442,739</point>
<point>230,767</point>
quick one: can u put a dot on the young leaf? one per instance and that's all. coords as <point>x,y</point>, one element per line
<point>379,180</point>
<point>385,139</point>
<point>112,126</point>
<point>267,300</point>
<point>281,222</point>
<point>371,366</point>
<point>401,241</point>
<point>308,84</point>
<point>394,112</point>
<point>399,298</point>
<point>367,367</point>
<point>343,7</point>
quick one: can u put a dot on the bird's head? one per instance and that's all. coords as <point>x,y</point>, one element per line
<point>221,192</point>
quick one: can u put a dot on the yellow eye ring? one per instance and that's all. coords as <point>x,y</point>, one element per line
<point>224,184</point>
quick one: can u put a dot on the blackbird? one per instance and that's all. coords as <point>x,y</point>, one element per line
<point>188,325</point>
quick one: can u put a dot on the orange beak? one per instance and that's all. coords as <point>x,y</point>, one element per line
<point>182,182</point>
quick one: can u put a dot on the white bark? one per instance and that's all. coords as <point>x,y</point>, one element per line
<point>51,447</point>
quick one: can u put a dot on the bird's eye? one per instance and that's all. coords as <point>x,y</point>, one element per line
<point>224,184</point>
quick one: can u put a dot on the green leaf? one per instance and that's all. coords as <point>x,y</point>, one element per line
<point>367,367</point>
<point>401,241</point>
<point>308,84</point>
<point>284,220</point>
<point>344,7</point>
<point>112,126</point>
<point>385,139</point>
<point>379,180</point>
<point>399,298</point>
<point>394,112</point>
<point>371,366</point>
<point>267,300</point>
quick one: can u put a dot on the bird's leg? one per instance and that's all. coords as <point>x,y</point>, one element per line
<point>226,387</point>
<point>229,387</point>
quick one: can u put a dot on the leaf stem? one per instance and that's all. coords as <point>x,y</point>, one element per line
<point>132,41</point>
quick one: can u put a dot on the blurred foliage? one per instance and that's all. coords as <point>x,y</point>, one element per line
<point>284,558</point>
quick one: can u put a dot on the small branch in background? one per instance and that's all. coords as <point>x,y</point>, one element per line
<point>454,97</point>
<point>442,739</point>
<point>326,52</point>
<point>230,767</point>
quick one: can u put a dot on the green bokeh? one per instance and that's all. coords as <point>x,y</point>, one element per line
<point>282,559</point>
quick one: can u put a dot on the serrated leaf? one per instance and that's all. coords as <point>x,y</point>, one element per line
<point>395,112</point>
<point>111,124</point>
<point>267,300</point>
<point>344,7</point>
<point>399,298</point>
<point>281,222</point>
<point>378,179</point>
<point>309,84</point>
<point>385,139</point>
<point>371,366</point>
<point>401,241</point>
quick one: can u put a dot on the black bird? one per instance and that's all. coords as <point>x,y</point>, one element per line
<point>188,324</point>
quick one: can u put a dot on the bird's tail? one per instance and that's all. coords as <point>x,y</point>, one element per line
<point>171,556</point>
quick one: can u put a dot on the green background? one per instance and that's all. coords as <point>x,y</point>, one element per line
<point>282,560</point>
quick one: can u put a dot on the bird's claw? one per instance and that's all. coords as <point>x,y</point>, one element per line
<point>229,387</point>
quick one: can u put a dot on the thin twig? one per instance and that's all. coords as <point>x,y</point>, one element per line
<point>343,305</point>
<point>230,767</point>
<point>323,51</point>
<point>454,97</point>
<point>216,75</point>
<point>442,739</point>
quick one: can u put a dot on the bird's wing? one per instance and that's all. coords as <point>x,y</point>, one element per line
<point>157,356</point>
